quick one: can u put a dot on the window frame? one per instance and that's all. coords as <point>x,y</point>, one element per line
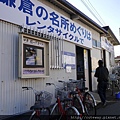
<point>24,56</point>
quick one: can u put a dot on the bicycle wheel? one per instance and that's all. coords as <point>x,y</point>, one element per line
<point>89,104</point>
<point>72,114</point>
<point>55,113</point>
<point>109,86</point>
<point>40,114</point>
<point>34,117</point>
<point>77,103</point>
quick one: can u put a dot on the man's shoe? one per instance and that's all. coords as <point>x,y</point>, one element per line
<point>104,104</point>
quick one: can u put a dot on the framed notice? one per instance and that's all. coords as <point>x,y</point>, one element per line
<point>33,57</point>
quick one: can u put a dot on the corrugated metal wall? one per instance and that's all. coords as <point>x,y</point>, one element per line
<point>12,99</point>
<point>8,67</point>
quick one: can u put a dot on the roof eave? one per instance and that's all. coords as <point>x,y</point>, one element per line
<point>111,36</point>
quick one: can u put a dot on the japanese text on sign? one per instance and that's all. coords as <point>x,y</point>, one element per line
<point>34,14</point>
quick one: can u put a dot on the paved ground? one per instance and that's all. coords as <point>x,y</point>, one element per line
<point>112,107</point>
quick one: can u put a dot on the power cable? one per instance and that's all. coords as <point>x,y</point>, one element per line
<point>92,12</point>
<point>96,12</point>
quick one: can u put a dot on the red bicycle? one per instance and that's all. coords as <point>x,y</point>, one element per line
<point>83,100</point>
<point>88,100</point>
<point>41,107</point>
<point>63,108</point>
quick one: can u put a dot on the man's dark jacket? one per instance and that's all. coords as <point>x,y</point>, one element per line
<point>102,74</point>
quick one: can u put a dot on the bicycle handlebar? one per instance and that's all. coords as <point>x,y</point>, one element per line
<point>72,80</point>
<point>61,81</point>
<point>24,87</point>
<point>31,88</point>
<point>27,88</point>
<point>48,83</point>
<point>67,81</point>
<point>52,84</point>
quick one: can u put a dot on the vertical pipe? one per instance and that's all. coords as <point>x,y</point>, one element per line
<point>53,52</point>
<point>62,61</point>
<point>51,47</point>
<point>56,52</point>
<point>59,53</point>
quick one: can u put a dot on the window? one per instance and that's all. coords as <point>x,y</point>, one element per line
<point>33,56</point>
<point>96,43</point>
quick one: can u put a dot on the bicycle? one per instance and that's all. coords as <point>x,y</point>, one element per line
<point>63,108</point>
<point>82,100</point>
<point>86,97</point>
<point>113,83</point>
<point>70,86</point>
<point>41,105</point>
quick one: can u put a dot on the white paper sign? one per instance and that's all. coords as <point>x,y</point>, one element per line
<point>68,69</point>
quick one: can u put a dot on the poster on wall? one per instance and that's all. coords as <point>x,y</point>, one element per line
<point>68,69</point>
<point>68,59</point>
<point>32,57</point>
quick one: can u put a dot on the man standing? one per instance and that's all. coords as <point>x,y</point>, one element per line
<point>102,78</point>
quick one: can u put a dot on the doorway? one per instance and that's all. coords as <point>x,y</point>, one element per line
<point>83,66</point>
<point>104,58</point>
<point>80,63</point>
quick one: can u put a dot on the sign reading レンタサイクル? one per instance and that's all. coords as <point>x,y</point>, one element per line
<point>34,14</point>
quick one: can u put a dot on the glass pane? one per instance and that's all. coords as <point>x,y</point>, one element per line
<point>33,56</point>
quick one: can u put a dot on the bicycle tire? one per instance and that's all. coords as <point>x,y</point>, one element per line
<point>43,115</point>
<point>55,113</point>
<point>77,103</point>
<point>89,104</point>
<point>72,114</point>
<point>34,117</point>
<point>109,86</point>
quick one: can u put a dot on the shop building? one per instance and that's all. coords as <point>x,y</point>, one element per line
<point>104,49</point>
<point>44,41</point>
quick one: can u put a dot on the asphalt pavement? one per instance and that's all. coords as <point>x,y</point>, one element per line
<point>112,107</point>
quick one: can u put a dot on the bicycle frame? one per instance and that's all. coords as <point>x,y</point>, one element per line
<point>37,110</point>
<point>63,109</point>
<point>58,101</point>
<point>81,95</point>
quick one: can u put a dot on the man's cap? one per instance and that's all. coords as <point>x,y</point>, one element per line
<point>100,62</point>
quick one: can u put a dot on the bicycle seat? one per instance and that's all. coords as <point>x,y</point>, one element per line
<point>66,100</point>
<point>83,89</point>
<point>73,92</point>
<point>39,106</point>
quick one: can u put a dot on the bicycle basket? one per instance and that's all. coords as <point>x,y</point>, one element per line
<point>43,99</point>
<point>112,77</point>
<point>79,84</point>
<point>71,86</point>
<point>61,93</point>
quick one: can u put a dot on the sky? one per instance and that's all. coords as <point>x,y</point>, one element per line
<point>108,12</point>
